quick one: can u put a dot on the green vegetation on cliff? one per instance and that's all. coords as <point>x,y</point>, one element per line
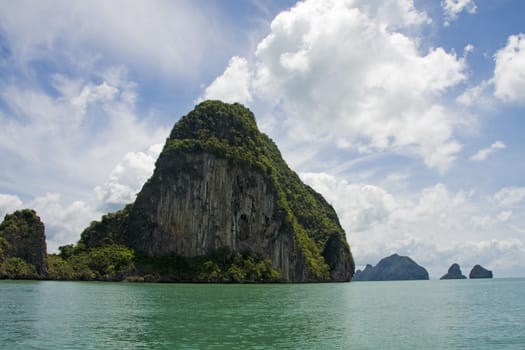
<point>108,231</point>
<point>105,263</point>
<point>118,263</point>
<point>223,266</point>
<point>101,254</point>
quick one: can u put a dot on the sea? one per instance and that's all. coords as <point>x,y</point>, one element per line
<point>452,314</point>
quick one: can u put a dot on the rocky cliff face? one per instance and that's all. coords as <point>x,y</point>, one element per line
<point>393,268</point>
<point>22,235</point>
<point>454,273</point>
<point>210,205</point>
<point>220,183</point>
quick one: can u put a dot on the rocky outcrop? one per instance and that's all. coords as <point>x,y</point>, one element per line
<point>363,275</point>
<point>393,268</point>
<point>221,184</point>
<point>479,272</point>
<point>454,273</point>
<point>23,245</point>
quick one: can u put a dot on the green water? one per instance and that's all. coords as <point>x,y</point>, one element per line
<point>467,314</point>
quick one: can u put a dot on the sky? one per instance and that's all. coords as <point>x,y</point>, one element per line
<point>407,115</point>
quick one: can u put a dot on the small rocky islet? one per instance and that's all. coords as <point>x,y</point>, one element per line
<point>479,271</point>
<point>454,273</point>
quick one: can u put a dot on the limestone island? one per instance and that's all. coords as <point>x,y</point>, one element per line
<point>392,268</point>
<point>221,206</point>
<point>454,273</point>
<point>479,272</point>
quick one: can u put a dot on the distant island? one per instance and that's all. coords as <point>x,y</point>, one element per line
<point>392,268</point>
<point>454,273</point>
<point>479,271</point>
<point>221,206</point>
<point>399,268</point>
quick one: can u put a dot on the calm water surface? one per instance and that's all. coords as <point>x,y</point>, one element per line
<point>466,314</point>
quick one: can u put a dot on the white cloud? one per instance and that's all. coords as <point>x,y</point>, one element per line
<point>167,37</point>
<point>488,222</point>
<point>62,145</point>
<point>452,8</point>
<point>75,136</point>
<point>478,96</point>
<point>468,49</point>
<point>63,221</point>
<point>504,215</point>
<point>340,72</point>
<point>233,85</point>
<point>92,93</point>
<point>510,196</point>
<point>508,81</point>
<point>509,72</point>
<point>393,13</point>
<point>127,178</point>
<point>8,204</point>
<point>484,153</point>
<point>363,206</point>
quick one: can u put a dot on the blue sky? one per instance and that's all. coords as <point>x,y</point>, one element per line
<point>406,115</point>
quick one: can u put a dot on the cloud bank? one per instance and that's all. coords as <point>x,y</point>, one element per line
<point>352,73</point>
<point>164,37</point>
<point>435,226</point>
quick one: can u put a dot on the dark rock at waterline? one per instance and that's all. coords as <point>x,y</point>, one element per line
<point>480,272</point>
<point>454,273</point>
<point>392,268</point>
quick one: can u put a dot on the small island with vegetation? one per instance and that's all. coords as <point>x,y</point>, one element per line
<point>392,268</point>
<point>221,206</point>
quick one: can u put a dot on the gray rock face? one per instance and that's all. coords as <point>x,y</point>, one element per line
<point>393,268</point>
<point>24,235</point>
<point>479,272</point>
<point>210,205</point>
<point>454,273</point>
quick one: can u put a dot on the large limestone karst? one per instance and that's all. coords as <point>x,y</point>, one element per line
<point>22,246</point>
<point>221,185</point>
